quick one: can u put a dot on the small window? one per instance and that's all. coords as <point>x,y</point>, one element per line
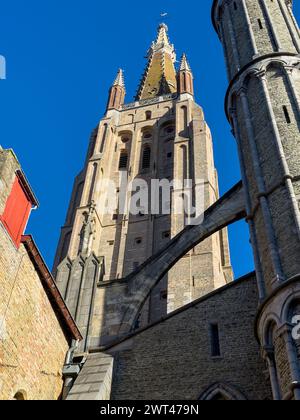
<point>170,129</point>
<point>20,396</point>
<point>123,160</point>
<point>215,340</point>
<point>111,243</point>
<point>166,235</point>
<point>125,139</point>
<point>164,295</point>
<point>148,115</point>
<point>138,241</point>
<point>169,155</point>
<point>260,25</point>
<point>147,135</point>
<point>146,158</point>
<point>286,115</point>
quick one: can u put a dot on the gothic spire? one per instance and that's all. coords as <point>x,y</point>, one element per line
<point>119,81</point>
<point>185,79</point>
<point>160,75</point>
<point>184,64</point>
<point>117,92</point>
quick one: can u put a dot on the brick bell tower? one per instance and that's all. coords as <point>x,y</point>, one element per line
<point>162,135</point>
<point>261,41</point>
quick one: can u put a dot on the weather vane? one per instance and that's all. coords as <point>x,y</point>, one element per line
<point>164,15</point>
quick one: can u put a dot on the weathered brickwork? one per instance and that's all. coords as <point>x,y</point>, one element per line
<point>33,341</point>
<point>32,344</point>
<point>172,359</point>
<point>173,127</point>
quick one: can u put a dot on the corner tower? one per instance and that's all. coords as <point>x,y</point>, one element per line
<point>262,44</point>
<point>161,136</point>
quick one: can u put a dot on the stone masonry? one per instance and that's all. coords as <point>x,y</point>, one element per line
<point>161,136</point>
<point>34,340</point>
<point>261,41</point>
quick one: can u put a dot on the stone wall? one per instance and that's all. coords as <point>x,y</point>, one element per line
<point>252,28</point>
<point>172,359</point>
<point>32,344</point>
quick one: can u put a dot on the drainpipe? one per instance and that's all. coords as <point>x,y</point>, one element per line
<point>70,370</point>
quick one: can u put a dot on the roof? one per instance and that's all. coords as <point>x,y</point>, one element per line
<point>69,326</point>
<point>160,75</point>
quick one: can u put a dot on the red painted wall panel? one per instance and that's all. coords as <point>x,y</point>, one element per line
<point>16,212</point>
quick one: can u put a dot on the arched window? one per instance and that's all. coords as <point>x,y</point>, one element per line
<point>184,116</point>
<point>20,396</point>
<point>184,160</point>
<point>146,157</point>
<point>105,127</point>
<point>123,162</point>
<point>271,358</point>
<point>147,135</point>
<point>148,115</point>
<point>222,392</point>
<point>92,187</point>
<point>184,82</point>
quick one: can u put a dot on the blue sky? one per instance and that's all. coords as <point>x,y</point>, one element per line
<point>62,57</point>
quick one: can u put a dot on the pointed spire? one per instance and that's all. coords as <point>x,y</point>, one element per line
<point>119,81</point>
<point>185,77</point>
<point>184,64</point>
<point>117,92</point>
<point>162,36</point>
<point>160,74</point>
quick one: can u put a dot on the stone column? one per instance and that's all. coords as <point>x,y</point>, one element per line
<point>259,178</point>
<point>253,235</point>
<point>269,357</point>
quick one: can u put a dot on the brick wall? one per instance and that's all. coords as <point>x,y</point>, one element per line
<point>32,344</point>
<point>172,359</point>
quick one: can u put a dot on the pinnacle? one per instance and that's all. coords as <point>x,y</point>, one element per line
<point>184,64</point>
<point>162,37</point>
<point>119,81</point>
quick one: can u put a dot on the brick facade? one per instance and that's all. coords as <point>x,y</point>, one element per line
<point>34,337</point>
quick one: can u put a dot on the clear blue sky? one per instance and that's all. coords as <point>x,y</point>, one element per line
<point>61,59</point>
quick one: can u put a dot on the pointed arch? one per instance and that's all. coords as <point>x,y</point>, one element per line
<point>146,159</point>
<point>103,140</point>
<point>221,391</point>
<point>93,182</point>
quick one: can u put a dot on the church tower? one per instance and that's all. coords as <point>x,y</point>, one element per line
<point>261,41</point>
<point>161,136</point>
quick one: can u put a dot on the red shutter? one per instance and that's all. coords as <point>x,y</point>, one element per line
<point>16,212</point>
